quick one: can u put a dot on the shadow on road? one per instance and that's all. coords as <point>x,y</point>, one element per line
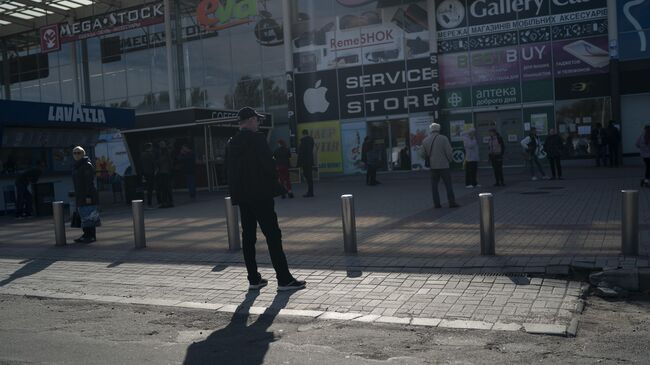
<point>239,343</point>
<point>31,267</point>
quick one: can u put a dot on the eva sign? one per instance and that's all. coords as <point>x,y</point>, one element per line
<point>216,15</point>
<point>50,39</point>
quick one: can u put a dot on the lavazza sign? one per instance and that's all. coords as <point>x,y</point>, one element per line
<point>76,113</point>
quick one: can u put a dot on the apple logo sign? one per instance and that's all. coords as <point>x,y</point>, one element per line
<point>314,99</point>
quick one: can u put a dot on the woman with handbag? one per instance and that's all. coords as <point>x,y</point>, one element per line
<point>532,151</point>
<point>86,197</point>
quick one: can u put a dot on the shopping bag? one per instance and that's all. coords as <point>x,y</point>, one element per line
<point>89,216</point>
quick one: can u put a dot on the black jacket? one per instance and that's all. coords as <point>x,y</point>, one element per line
<point>29,176</point>
<point>554,146</point>
<point>83,179</point>
<point>613,135</point>
<point>148,161</point>
<point>251,169</point>
<point>306,153</point>
<point>282,156</point>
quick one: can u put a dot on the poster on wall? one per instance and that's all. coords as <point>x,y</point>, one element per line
<point>419,127</point>
<point>540,123</point>
<point>581,57</point>
<point>456,129</point>
<point>327,139</point>
<point>352,136</point>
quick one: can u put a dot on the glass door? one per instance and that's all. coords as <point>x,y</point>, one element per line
<point>400,146</point>
<point>509,124</point>
<point>379,133</point>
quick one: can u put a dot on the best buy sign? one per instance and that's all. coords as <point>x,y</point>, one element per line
<point>221,14</point>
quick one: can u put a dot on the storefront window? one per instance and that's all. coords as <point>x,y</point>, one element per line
<point>576,120</point>
<point>15,160</point>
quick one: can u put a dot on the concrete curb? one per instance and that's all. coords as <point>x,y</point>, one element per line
<point>533,328</point>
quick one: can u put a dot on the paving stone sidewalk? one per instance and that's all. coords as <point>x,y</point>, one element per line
<point>472,301</point>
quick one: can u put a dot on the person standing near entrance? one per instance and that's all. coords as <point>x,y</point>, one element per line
<point>282,157</point>
<point>306,161</point>
<point>187,162</point>
<point>85,193</point>
<point>24,198</point>
<point>470,143</point>
<point>164,177</point>
<point>148,164</point>
<point>532,147</point>
<point>599,144</point>
<point>252,181</point>
<point>370,158</point>
<point>437,150</point>
<point>554,146</point>
<point>496,150</point>
<point>613,144</point>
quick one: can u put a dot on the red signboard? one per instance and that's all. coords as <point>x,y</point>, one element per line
<point>50,40</point>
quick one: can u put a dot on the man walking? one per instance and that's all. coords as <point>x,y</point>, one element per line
<point>148,163</point>
<point>306,161</point>
<point>23,196</point>
<point>252,181</point>
<point>613,144</point>
<point>437,150</point>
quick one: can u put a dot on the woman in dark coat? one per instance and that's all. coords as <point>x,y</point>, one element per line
<point>554,146</point>
<point>83,178</point>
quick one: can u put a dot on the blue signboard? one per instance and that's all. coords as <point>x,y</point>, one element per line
<point>24,113</point>
<point>633,29</point>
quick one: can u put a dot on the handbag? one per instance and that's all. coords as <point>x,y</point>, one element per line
<point>75,221</point>
<point>89,216</point>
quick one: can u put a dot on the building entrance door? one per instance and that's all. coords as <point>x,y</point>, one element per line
<point>509,124</point>
<point>392,137</point>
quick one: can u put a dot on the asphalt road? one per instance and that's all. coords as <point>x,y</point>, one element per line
<point>36,330</point>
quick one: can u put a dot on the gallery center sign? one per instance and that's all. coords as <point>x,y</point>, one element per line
<point>214,15</point>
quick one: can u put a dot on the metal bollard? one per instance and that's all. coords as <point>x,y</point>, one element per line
<point>487,224</point>
<point>138,224</point>
<point>59,223</point>
<point>232,221</point>
<point>349,224</point>
<point>630,223</point>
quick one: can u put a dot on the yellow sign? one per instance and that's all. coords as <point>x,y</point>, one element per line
<point>327,137</point>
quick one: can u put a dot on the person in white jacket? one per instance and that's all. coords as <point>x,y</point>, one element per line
<point>470,143</point>
<point>532,148</point>
<point>437,149</point>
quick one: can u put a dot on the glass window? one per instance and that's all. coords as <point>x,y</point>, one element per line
<point>577,118</point>
<point>217,60</point>
<point>96,88</point>
<point>196,96</point>
<point>138,72</point>
<point>162,101</point>
<point>159,70</point>
<point>193,62</point>
<point>274,89</point>
<point>247,54</point>
<point>31,90</point>
<point>218,96</point>
<point>248,92</point>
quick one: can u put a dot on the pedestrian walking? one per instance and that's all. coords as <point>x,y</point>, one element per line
<point>24,198</point>
<point>437,150</point>
<point>643,144</point>
<point>253,182</point>
<point>86,196</point>
<point>371,159</point>
<point>306,161</point>
<point>613,144</point>
<point>532,149</point>
<point>599,144</point>
<point>187,163</point>
<point>282,157</point>
<point>470,143</point>
<point>554,147</point>
<point>148,172</point>
<point>164,176</point>
<point>496,150</point>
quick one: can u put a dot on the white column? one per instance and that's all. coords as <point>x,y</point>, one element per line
<point>286,29</point>
<point>168,48</point>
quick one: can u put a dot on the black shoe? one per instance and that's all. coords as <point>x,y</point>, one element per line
<point>308,195</point>
<point>290,195</point>
<point>260,284</point>
<point>437,206</point>
<point>87,240</point>
<point>80,239</point>
<point>454,205</point>
<point>293,285</point>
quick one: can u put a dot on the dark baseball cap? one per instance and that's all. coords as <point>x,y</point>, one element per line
<point>247,112</point>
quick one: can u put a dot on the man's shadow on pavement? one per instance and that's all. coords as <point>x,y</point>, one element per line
<point>31,267</point>
<point>238,343</point>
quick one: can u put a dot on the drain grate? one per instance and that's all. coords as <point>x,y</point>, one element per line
<point>534,192</point>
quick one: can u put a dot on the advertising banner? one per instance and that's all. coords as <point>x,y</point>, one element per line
<point>496,94</point>
<point>581,57</point>
<point>454,70</point>
<point>352,135</point>
<point>327,137</point>
<point>535,61</point>
<point>633,28</point>
<point>419,127</point>
<point>494,66</point>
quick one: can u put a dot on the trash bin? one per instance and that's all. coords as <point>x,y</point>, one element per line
<point>133,188</point>
<point>43,198</point>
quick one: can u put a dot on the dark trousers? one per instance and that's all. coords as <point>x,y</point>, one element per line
<point>308,173</point>
<point>613,155</point>
<point>647,168</point>
<point>90,232</point>
<point>371,175</point>
<point>263,213</point>
<point>534,161</point>
<point>165,187</point>
<point>497,167</point>
<point>23,200</point>
<point>471,170</point>
<point>150,186</point>
<point>190,180</point>
<point>601,154</point>
<point>445,175</point>
<point>556,166</point>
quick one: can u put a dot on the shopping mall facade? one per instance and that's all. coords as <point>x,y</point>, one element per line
<point>347,69</point>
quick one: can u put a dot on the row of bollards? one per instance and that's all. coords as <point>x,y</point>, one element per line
<point>629,224</point>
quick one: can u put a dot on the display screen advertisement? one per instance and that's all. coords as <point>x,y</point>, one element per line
<point>373,36</point>
<point>633,28</point>
<point>352,136</point>
<point>327,139</point>
<point>581,57</point>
